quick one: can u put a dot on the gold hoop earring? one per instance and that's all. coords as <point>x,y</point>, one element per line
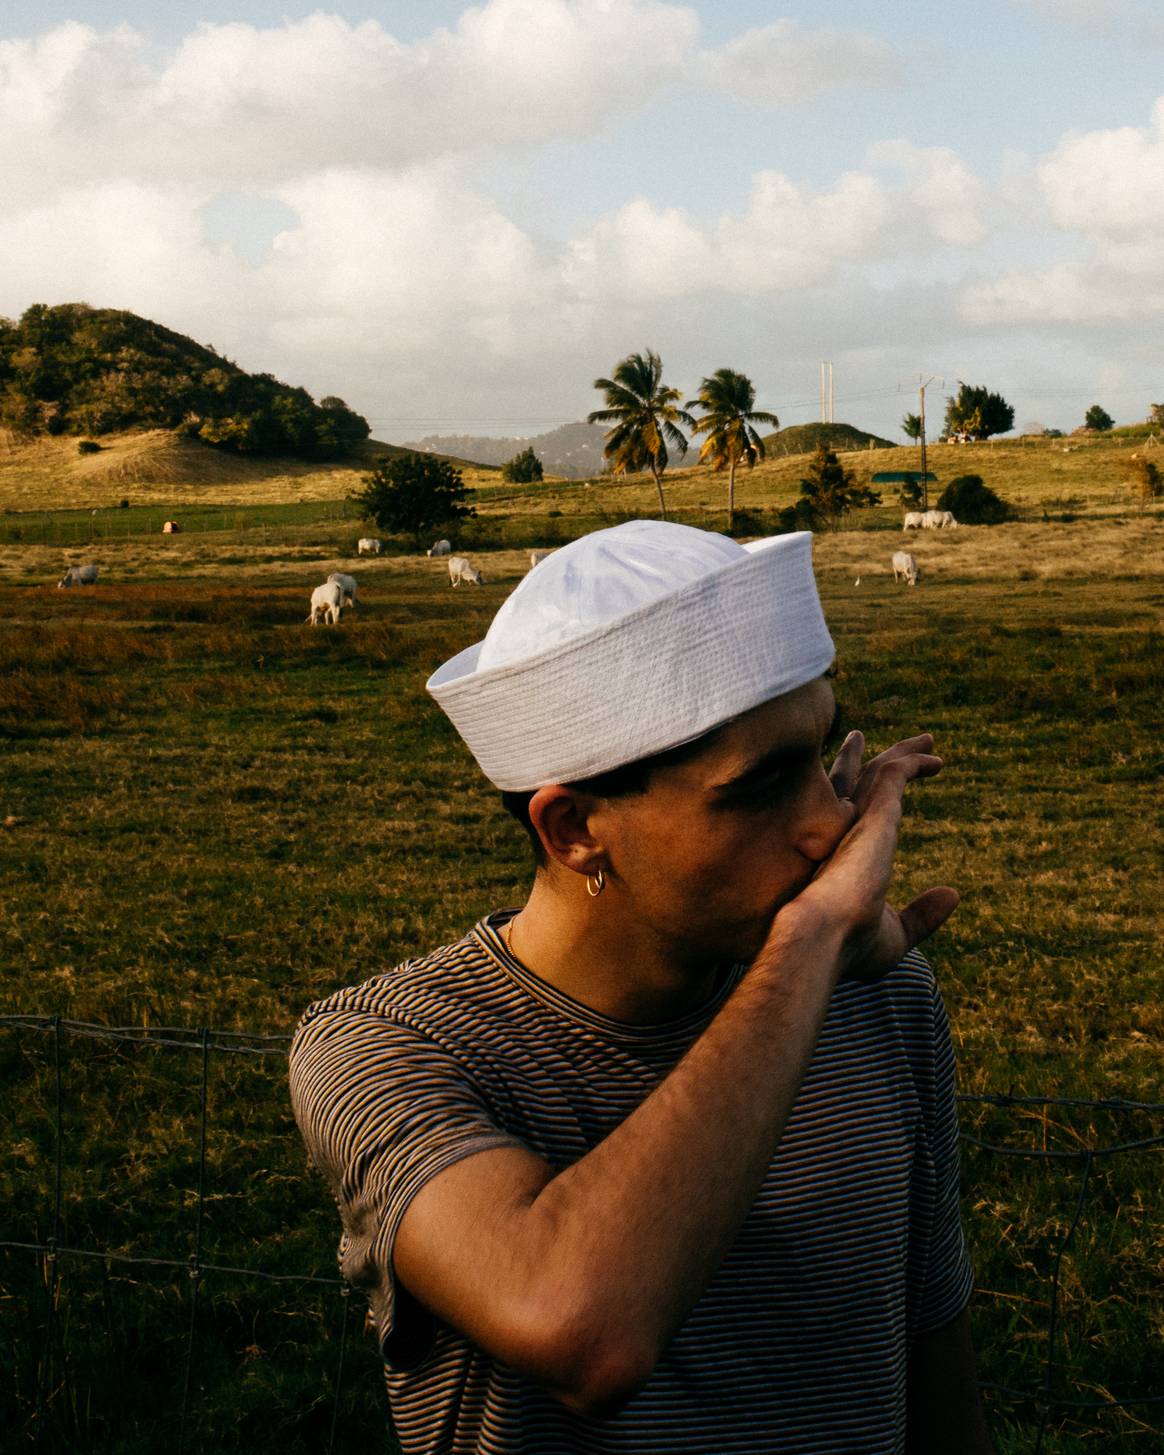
<point>595,884</point>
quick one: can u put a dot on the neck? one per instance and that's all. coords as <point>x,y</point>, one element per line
<point>598,954</point>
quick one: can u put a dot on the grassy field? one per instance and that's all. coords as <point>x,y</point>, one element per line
<point>211,814</point>
<point>156,469</point>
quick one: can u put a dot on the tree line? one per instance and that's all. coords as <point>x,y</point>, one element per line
<point>77,370</point>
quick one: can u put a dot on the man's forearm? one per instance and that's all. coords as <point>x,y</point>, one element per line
<point>645,1219</point>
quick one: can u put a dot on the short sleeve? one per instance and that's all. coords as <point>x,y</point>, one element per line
<point>941,1276</point>
<point>383,1108</point>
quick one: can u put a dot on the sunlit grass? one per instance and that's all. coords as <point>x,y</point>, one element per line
<point>211,814</point>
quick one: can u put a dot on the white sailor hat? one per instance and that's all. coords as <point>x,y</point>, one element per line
<point>630,641</point>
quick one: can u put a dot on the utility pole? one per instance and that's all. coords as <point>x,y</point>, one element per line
<point>826,392</point>
<point>921,411</point>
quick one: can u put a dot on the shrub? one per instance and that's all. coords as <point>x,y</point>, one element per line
<point>973,503</point>
<point>88,447</point>
<point>414,493</point>
<point>828,492</point>
<point>524,469</point>
<point>1144,481</point>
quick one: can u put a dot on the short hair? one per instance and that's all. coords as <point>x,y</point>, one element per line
<point>622,782</point>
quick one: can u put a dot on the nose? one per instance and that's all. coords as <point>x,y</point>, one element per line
<point>823,819</point>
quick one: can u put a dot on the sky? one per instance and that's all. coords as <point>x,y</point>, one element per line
<point>456,217</point>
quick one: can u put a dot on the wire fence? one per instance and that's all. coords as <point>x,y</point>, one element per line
<point>58,1401</point>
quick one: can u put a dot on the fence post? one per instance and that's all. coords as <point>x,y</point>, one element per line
<point>1044,1406</point>
<point>43,1384</point>
<point>196,1256</point>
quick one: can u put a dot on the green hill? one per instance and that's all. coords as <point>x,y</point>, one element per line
<point>74,370</point>
<point>804,439</point>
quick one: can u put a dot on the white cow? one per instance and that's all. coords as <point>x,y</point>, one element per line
<point>932,520</point>
<point>948,521</point>
<point>79,576</point>
<point>327,604</point>
<point>367,546</point>
<point>460,570</point>
<point>537,557</point>
<point>914,520</point>
<point>347,585</point>
<point>904,567</point>
<point>439,548</point>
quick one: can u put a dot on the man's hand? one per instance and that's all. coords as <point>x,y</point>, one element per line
<point>851,886</point>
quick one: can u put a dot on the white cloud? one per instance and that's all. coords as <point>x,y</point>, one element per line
<point>1108,183</point>
<point>244,105</point>
<point>124,243</point>
<point>784,65</point>
<point>788,238</point>
<point>1104,189</point>
<point>952,202</point>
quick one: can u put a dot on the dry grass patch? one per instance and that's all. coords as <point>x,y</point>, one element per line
<point>214,814</point>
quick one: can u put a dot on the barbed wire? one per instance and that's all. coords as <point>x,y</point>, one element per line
<point>203,1041</point>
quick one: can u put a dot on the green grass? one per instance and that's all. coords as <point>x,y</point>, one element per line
<point>96,527</point>
<point>213,814</point>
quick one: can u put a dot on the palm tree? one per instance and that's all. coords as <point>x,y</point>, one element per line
<point>726,399</point>
<point>645,418</point>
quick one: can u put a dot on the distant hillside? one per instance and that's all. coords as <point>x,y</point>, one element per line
<point>804,439</point>
<point>572,450</point>
<point>76,370</point>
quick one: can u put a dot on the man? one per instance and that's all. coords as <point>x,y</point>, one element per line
<point>666,1160</point>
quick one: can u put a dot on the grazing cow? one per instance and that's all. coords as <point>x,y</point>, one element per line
<point>932,520</point>
<point>347,585</point>
<point>537,557</point>
<point>914,520</point>
<point>439,548</point>
<point>460,570</point>
<point>171,528</point>
<point>367,546</point>
<point>79,576</point>
<point>948,521</point>
<point>327,603</point>
<point>904,567</point>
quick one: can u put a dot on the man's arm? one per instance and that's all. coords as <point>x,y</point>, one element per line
<point>945,1415</point>
<point>580,1279</point>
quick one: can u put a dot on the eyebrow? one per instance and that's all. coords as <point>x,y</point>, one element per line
<point>772,762</point>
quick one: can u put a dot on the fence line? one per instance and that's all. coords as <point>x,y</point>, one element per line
<point>205,1040</point>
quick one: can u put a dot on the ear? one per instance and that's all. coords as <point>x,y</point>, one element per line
<point>563,820</point>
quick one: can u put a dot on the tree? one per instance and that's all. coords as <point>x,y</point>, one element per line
<point>726,399</point>
<point>1098,418</point>
<point>645,418</point>
<point>1156,415</point>
<point>414,493</point>
<point>911,427</point>
<point>971,502</point>
<point>1144,480</point>
<point>524,469</point>
<point>829,491</point>
<point>975,411</point>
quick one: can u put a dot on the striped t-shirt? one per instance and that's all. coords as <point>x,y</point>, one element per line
<point>798,1344</point>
